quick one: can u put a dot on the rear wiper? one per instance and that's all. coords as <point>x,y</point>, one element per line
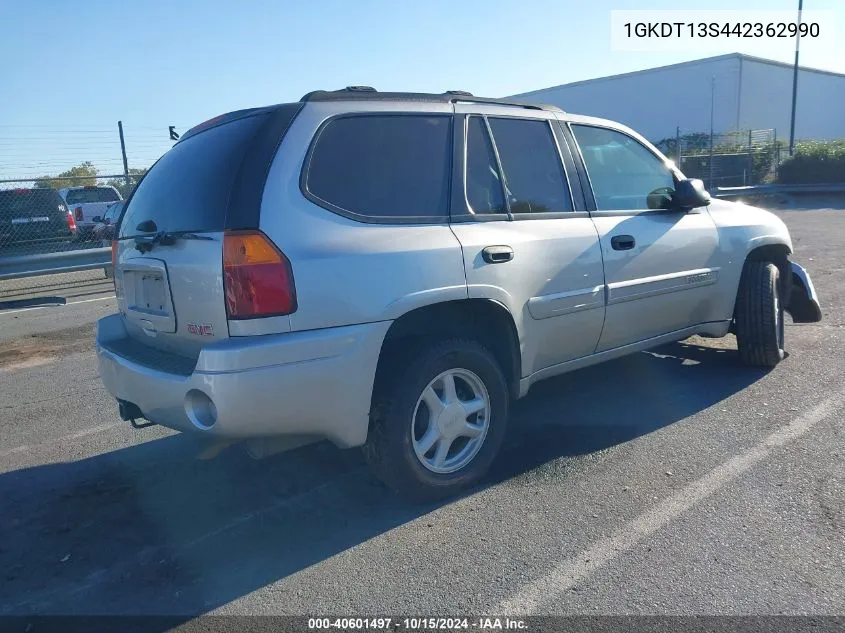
<point>145,243</point>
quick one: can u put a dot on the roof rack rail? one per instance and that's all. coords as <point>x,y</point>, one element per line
<point>367,93</point>
<point>314,95</point>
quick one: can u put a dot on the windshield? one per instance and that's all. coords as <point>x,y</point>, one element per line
<point>92,194</point>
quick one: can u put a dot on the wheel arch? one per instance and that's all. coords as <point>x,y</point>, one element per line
<point>774,251</point>
<point>778,253</point>
<point>484,320</point>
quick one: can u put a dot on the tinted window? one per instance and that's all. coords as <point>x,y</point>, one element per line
<point>483,183</point>
<point>533,172</point>
<point>188,188</point>
<point>92,194</point>
<point>384,166</point>
<point>624,174</point>
<point>27,203</point>
<point>113,211</point>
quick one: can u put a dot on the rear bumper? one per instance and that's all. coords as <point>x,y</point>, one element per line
<point>316,384</point>
<point>803,301</point>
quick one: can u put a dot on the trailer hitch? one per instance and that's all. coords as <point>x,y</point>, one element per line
<point>130,412</point>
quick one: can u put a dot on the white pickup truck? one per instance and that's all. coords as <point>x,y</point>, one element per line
<point>88,202</point>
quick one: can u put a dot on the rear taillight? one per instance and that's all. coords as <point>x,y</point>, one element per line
<point>78,212</point>
<point>71,223</point>
<point>257,277</point>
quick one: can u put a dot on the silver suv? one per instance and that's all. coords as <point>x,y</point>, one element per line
<point>390,270</point>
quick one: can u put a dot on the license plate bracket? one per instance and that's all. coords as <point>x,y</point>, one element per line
<point>146,291</point>
<point>152,296</point>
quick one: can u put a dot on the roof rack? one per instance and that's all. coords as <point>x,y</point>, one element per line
<point>367,93</point>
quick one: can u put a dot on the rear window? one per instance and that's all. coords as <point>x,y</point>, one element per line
<point>188,188</point>
<point>383,166</point>
<point>27,203</point>
<point>92,194</point>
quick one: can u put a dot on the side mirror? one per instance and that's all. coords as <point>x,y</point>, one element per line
<point>689,194</point>
<point>97,218</point>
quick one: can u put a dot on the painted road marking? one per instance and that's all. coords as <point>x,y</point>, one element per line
<point>61,440</point>
<point>72,303</point>
<point>574,570</point>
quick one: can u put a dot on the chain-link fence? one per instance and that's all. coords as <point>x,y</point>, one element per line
<point>45,230</point>
<point>62,190</point>
<point>728,159</point>
<point>38,219</point>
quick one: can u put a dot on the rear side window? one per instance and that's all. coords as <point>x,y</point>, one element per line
<point>188,188</point>
<point>534,175</point>
<point>92,194</point>
<point>483,182</point>
<point>383,167</point>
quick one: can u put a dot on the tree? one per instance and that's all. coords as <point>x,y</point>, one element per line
<point>85,175</point>
<point>81,175</point>
<point>135,174</point>
<point>691,143</point>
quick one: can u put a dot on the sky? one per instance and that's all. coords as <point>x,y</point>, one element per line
<point>70,69</point>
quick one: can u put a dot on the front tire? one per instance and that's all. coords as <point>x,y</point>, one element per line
<point>438,419</point>
<point>760,315</point>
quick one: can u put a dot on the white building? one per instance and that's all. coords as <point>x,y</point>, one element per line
<point>750,93</point>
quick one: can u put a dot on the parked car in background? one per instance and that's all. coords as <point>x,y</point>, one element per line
<point>105,226</point>
<point>393,270</point>
<point>88,202</point>
<point>31,217</point>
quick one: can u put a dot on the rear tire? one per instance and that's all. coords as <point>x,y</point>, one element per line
<point>759,315</point>
<point>421,406</point>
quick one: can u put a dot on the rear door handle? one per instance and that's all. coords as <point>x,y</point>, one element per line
<point>622,242</point>
<point>497,254</point>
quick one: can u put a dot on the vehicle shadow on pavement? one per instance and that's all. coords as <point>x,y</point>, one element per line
<point>150,529</point>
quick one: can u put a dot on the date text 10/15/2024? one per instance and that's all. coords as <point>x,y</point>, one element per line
<point>418,624</point>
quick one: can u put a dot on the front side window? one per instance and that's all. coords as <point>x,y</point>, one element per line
<point>383,166</point>
<point>534,177</point>
<point>624,174</point>
<point>483,182</point>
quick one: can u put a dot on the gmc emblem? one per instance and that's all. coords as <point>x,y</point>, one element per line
<point>204,329</point>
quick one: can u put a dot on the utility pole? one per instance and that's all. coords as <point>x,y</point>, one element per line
<point>123,151</point>
<point>795,80</point>
<point>678,146</point>
<point>712,111</point>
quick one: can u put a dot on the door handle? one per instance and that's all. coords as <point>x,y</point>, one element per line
<point>623,242</point>
<point>497,254</point>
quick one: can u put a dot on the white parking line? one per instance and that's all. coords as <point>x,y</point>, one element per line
<point>574,570</point>
<point>25,448</point>
<point>61,305</point>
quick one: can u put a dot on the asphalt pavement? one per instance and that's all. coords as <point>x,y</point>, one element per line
<point>670,482</point>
